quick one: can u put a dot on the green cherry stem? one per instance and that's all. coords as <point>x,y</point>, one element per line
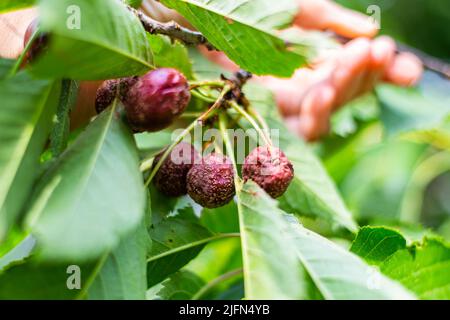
<point>219,102</point>
<point>207,83</point>
<point>146,164</point>
<point>189,115</point>
<point>252,121</point>
<point>260,119</point>
<point>199,121</point>
<point>201,96</point>
<point>177,140</point>
<point>223,124</point>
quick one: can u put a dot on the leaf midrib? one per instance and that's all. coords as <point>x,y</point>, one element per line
<point>118,51</point>
<point>188,246</point>
<point>90,165</point>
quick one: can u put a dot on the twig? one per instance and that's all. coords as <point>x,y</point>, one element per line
<point>252,121</point>
<point>429,62</point>
<point>207,83</point>
<point>171,29</point>
<point>219,103</point>
<point>223,125</point>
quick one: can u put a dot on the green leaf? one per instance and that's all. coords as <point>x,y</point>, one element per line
<point>308,43</point>
<point>224,219</point>
<point>175,242</point>
<point>339,274</point>
<point>423,268</point>
<point>5,67</point>
<point>92,39</point>
<point>312,192</point>
<point>91,196</point>
<point>410,109</point>
<point>244,31</point>
<point>15,236</point>
<point>428,170</point>
<point>182,285</point>
<point>439,136</point>
<point>21,251</point>
<point>271,270</point>
<point>391,167</point>
<point>306,257</point>
<point>28,106</point>
<point>9,5</point>
<point>60,132</point>
<point>34,281</point>
<point>123,275</point>
<point>150,144</point>
<point>205,69</point>
<point>217,258</point>
<point>345,122</point>
<point>170,54</point>
<point>376,244</point>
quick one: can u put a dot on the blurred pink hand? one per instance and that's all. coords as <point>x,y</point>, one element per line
<point>308,99</point>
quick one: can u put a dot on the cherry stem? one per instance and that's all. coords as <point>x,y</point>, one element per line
<point>207,83</point>
<point>166,153</point>
<point>260,119</point>
<point>219,102</point>
<point>223,124</point>
<point>201,96</point>
<point>191,115</point>
<point>199,121</point>
<point>252,121</point>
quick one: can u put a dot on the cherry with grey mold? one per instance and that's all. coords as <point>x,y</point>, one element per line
<point>211,182</point>
<point>171,177</point>
<point>108,90</point>
<point>156,100</point>
<point>270,169</point>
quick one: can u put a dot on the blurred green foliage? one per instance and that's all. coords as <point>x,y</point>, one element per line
<point>419,23</point>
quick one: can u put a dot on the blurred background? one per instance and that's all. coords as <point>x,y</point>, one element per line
<point>419,23</point>
<point>389,151</point>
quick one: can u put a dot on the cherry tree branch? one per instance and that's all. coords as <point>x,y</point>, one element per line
<point>171,29</point>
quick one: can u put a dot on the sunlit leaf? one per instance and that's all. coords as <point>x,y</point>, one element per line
<point>26,115</point>
<point>244,30</point>
<point>92,39</point>
<point>91,196</point>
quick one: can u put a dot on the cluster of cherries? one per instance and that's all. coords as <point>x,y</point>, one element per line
<point>153,102</point>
